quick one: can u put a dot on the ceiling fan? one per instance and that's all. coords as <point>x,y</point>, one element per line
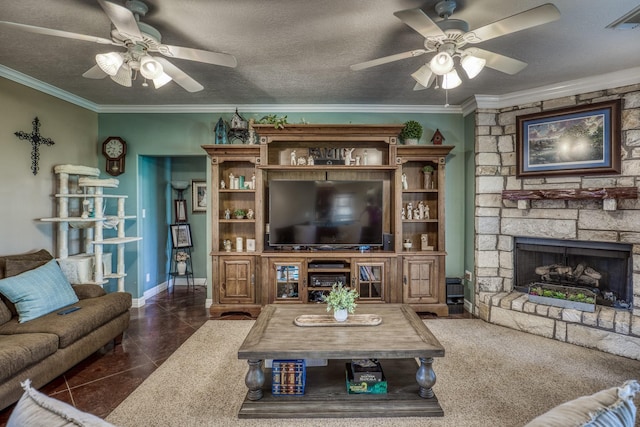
<point>139,39</point>
<point>446,38</point>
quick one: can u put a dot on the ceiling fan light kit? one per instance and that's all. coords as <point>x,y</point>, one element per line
<point>472,65</point>
<point>451,80</point>
<point>441,64</point>
<point>109,62</point>
<point>447,37</point>
<point>150,68</point>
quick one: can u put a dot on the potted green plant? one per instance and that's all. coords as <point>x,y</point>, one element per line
<point>273,119</point>
<point>341,300</point>
<point>239,213</point>
<point>411,132</point>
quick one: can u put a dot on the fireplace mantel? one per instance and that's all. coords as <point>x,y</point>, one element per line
<point>610,195</point>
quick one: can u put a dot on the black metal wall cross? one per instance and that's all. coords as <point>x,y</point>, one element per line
<point>36,140</point>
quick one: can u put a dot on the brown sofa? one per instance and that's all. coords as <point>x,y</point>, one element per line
<point>44,348</point>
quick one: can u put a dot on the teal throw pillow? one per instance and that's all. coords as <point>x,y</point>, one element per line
<point>39,291</point>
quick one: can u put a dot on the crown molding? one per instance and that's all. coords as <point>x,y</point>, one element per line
<point>279,108</point>
<point>559,90</point>
<point>43,87</point>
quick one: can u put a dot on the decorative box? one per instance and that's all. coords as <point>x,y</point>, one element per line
<point>288,377</point>
<point>364,387</point>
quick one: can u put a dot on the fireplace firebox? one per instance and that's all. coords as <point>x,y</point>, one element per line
<point>602,267</point>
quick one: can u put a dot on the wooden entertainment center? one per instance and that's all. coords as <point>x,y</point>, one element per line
<point>249,276</point>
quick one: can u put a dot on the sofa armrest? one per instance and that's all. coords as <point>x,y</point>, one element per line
<point>88,291</point>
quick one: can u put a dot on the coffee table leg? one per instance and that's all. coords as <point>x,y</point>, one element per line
<point>425,377</point>
<point>254,379</point>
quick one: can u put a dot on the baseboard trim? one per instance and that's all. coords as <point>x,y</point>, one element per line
<point>151,292</point>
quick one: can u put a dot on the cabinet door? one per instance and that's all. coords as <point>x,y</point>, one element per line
<point>369,280</point>
<point>288,281</point>
<point>237,280</point>
<point>420,279</point>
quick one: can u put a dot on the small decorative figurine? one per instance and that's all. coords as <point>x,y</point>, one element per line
<point>347,156</point>
<point>253,181</point>
<point>227,214</point>
<point>421,209</point>
<point>302,161</point>
<point>227,245</point>
<point>231,180</point>
<point>364,158</point>
<point>250,213</point>
<point>357,160</point>
<point>293,158</point>
<point>426,212</point>
<point>310,161</point>
<point>410,211</point>
<point>222,185</point>
<point>403,214</point>
<point>405,185</point>
<point>416,214</point>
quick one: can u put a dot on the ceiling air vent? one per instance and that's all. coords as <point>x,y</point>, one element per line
<point>627,22</point>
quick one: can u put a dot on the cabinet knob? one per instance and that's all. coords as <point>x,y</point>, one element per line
<point>404,280</point>
<point>253,279</point>
<point>224,287</point>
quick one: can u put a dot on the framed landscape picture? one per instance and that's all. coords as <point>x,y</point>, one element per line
<point>578,140</point>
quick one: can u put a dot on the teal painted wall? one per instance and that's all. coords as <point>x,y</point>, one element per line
<point>179,137</point>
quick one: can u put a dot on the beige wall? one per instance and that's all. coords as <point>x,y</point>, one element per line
<point>23,196</point>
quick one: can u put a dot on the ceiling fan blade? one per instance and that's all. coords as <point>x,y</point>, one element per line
<point>418,86</point>
<point>419,21</point>
<point>57,33</point>
<point>199,55</point>
<point>521,21</point>
<point>498,62</point>
<point>123,20</point>
<point>94,72</point>
<point>179,76</point>
<point>387,59</point>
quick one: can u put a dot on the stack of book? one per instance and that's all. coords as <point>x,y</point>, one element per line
<point>288,377</point>
<point>365,376</point>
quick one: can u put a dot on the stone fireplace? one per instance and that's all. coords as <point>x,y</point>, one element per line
<point>608,220</point>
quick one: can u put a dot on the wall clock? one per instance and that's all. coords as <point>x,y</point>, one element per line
<point>114,149</point>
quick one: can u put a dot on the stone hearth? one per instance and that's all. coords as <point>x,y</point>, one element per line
<point>499,221</point>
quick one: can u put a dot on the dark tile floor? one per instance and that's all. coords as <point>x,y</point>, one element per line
<point>102,381</point>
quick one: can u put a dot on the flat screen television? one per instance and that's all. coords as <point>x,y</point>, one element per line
<point>325,213</point>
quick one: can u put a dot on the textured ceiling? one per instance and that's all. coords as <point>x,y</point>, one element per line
<point>299,52</point>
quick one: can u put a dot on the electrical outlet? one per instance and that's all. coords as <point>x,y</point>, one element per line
<point>468,276</point>
<point>148,277</point>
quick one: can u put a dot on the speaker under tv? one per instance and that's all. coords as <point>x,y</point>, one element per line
<point>387,242</point>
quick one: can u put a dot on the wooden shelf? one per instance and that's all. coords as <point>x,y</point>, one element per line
<point>572,194</point>
<point>326,396</point>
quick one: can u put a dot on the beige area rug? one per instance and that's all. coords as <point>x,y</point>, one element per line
<point>490,376</point>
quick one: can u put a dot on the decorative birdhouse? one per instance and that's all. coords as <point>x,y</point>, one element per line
<point>238,122</point>
<point>437,138</point>
<point>221,132</point>
<point>239,131</point>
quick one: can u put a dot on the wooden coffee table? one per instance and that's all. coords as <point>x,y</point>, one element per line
<point>396,342</point>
